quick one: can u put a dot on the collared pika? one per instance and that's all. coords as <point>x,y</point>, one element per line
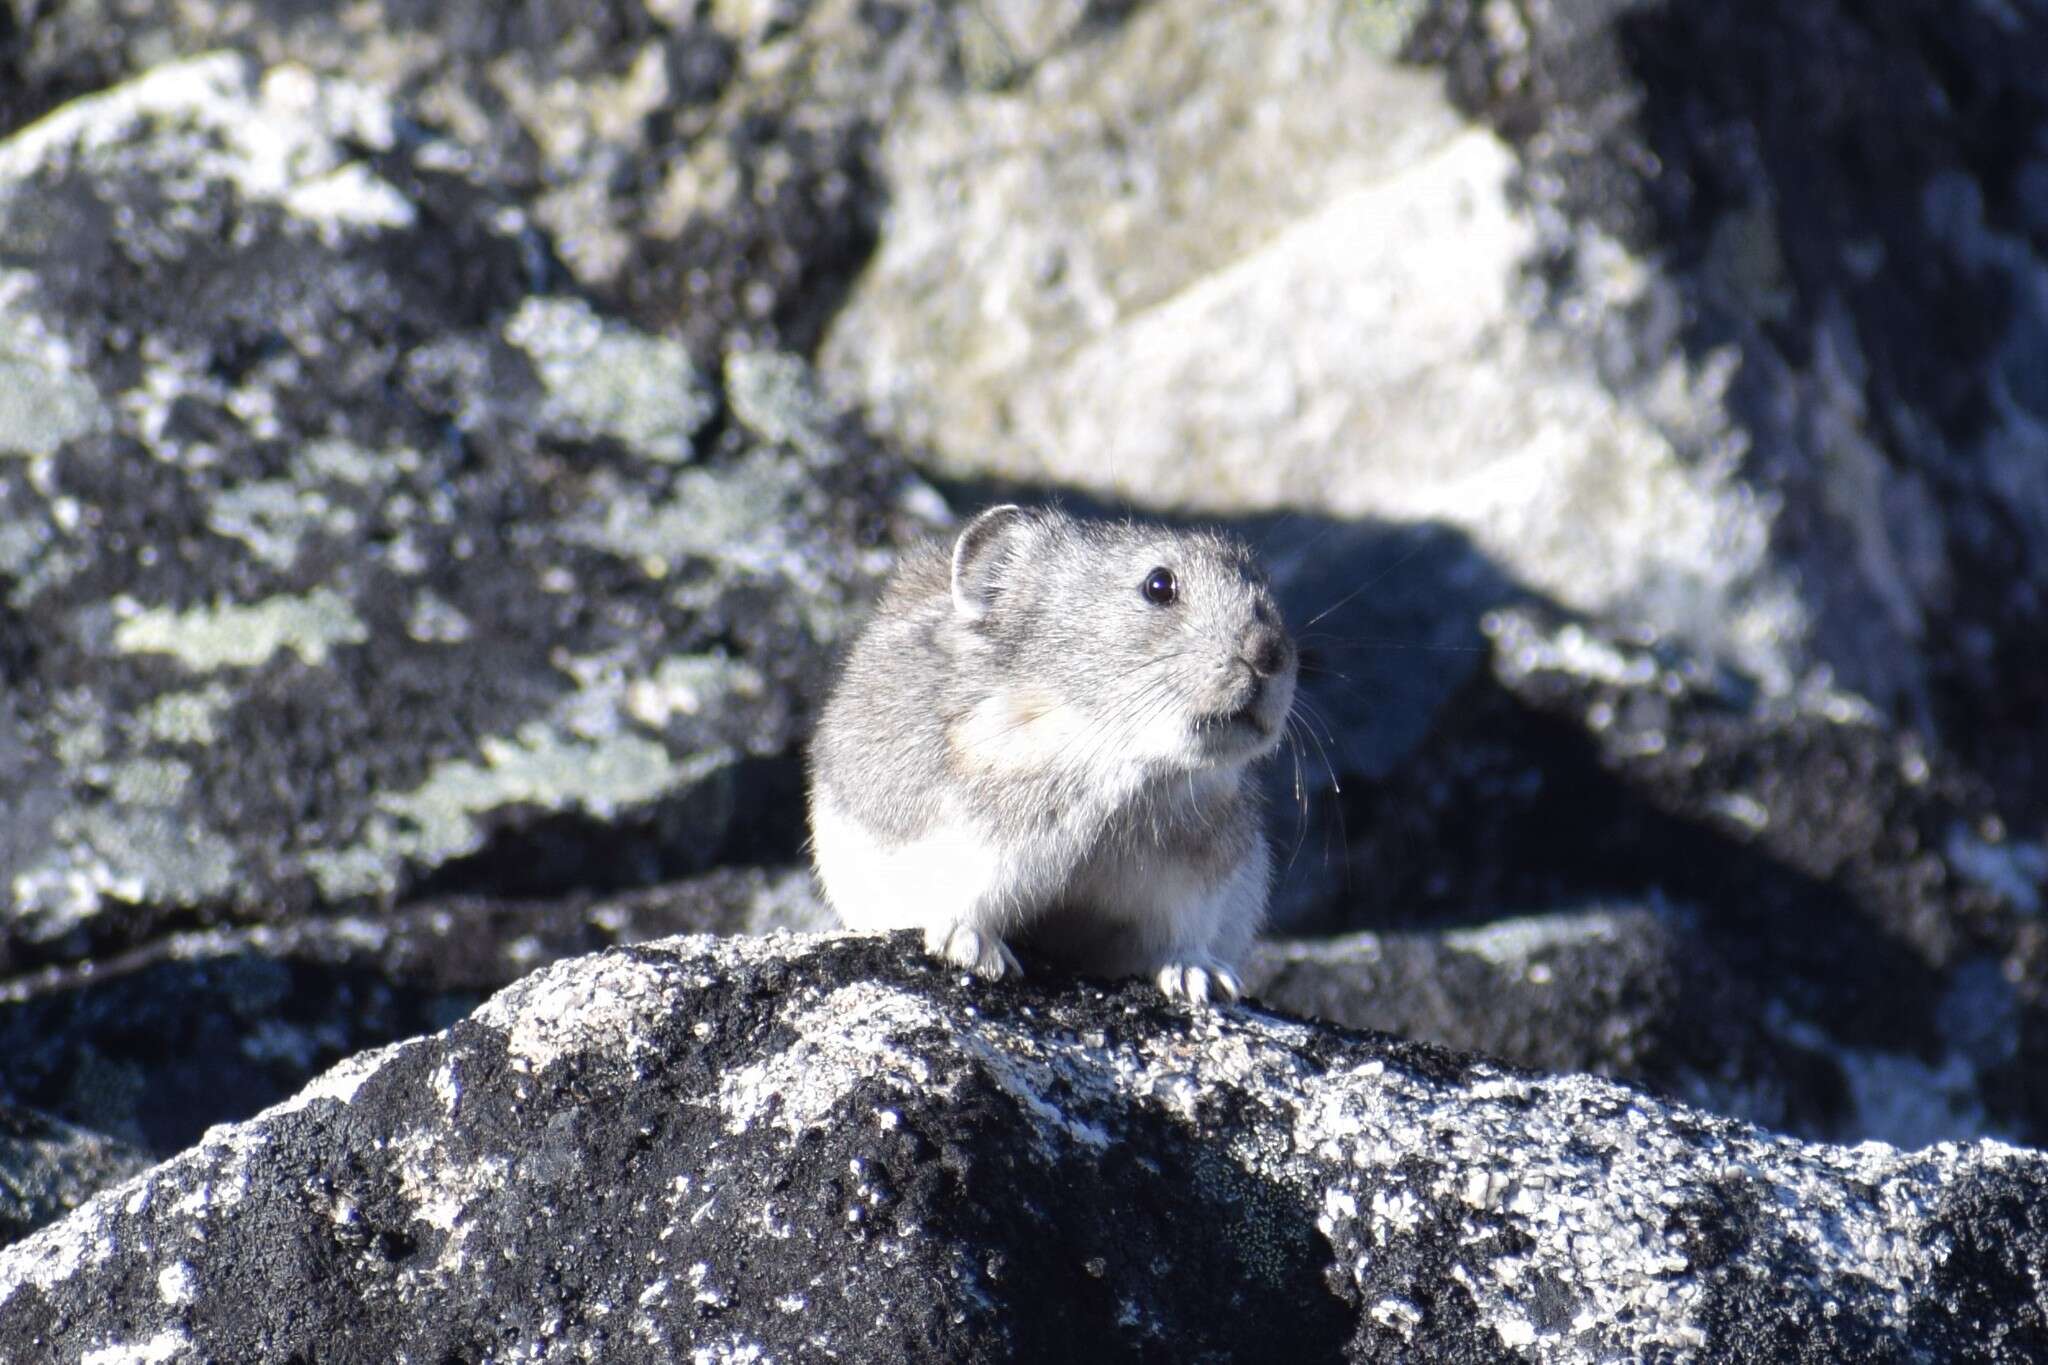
<point>1042,740</point>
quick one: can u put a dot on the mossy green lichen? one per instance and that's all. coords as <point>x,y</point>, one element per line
<point>150,782</point>
<point>690,685</point>
<point>603,379</point>
<point>231,635</point>
<point>78,747</point>
<point>776,397</point>
<point>337,461</point>
<point>541,766</point>
<point>34,557</point>
<point>738,517</point>
<point>185,717</point>
<point>44,400</point>
<point>436,620</point>
<point>274,516</point>
<point>124,854</point>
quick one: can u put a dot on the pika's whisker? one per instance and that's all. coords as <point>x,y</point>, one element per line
<point>1346,600</point>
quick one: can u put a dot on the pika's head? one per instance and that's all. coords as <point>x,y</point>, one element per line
<point>1118,642</point>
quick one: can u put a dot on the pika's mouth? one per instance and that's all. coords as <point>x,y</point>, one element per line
<point>1247,716</point>
<point>1249,720</point>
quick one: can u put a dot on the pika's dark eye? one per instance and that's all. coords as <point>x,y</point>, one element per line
<point>1160,588</point>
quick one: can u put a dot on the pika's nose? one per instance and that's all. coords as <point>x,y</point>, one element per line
<point>1266,650</point>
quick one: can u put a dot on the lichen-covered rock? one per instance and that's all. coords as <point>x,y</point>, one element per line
<point>705,170</point>
<point>343,560</point>
<point>745,1149</point>
<point>420,532</point>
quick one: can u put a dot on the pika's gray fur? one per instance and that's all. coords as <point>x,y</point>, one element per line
<point>1042,739</point>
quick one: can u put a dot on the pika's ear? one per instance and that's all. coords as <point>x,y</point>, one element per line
<point>982,553</point>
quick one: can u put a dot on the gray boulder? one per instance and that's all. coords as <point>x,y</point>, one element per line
<point>1230,258</point>
<point>1634,993</point>
<point>1845,213</point>
<point>422,535</point>
<point>704,170</point>
<point>747,1148</point>
<point>345,561</point>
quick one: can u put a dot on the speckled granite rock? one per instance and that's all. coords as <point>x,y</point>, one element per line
<point>1639,994</point>
<point>418,528</point>
<point>704,170</point>
<point>748,1148</point>
<point>344,561</point>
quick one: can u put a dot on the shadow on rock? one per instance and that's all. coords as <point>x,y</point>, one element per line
<point>155,1046</point>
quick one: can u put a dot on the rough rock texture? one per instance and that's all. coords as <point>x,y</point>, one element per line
<point>1717,347</point>
<point>422,533</point>
<point>702,169</point>
<point>375,612</point>
<point>157,1045</point>
<point>749,1148</point>
<point>1233,257</point>
<point>1635,993</point>
<point>344,560</point>
<point>1847,204</point>
<point>48,1168</point>
<point>1853,893</point>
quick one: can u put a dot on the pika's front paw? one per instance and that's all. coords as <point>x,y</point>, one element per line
<point>983,954</point>
<point>1199,982</point>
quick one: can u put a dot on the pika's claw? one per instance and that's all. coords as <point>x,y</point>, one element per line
<point>1199,982</point>
<point>983,954</point>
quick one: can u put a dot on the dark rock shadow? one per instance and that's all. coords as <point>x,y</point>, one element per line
<point>156,1045</point>
<point>1085,1232</point>
<point>155,1055</point>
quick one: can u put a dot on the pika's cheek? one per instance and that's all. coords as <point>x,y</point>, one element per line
<point>1016,731</point>
<point>1163,733</point>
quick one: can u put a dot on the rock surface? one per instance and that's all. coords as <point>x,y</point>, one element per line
<point>1635,993</point>
<point>703,170</point>
<point>1813,886</point>
<point>425,510</point>
<point>346,560</point>
<point>1845,207</point>
<point>750,1148</point>
<point>1299,289</point>
<point>155,1046</point>
<point>48,1168</point>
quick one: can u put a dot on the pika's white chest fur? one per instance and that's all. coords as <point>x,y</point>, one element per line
<point>917,884</point>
